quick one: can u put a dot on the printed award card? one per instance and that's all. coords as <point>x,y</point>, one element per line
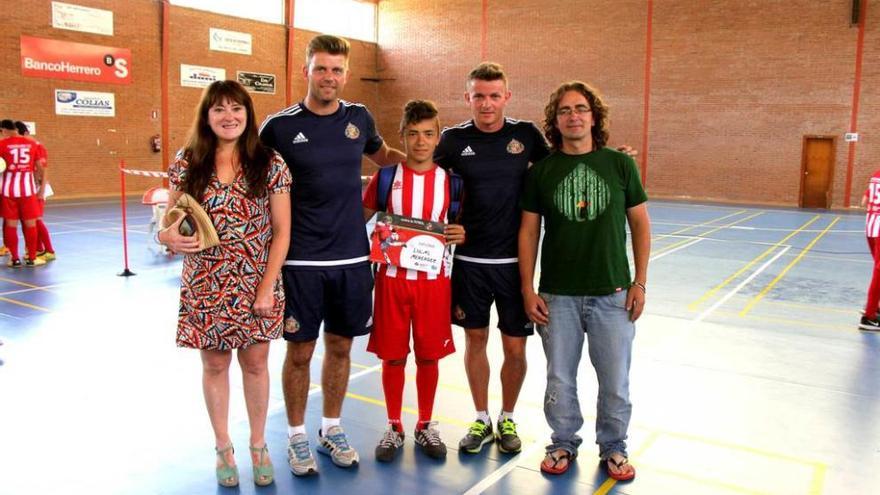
<point>408,242</point>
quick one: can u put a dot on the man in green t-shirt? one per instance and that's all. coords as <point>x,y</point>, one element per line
<point>585,193</point>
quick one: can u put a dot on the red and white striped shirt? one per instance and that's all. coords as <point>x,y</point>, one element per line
<point>872,219</point>
<point>423,195</point>
<point>20,155</point>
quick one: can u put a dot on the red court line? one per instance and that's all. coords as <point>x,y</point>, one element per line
<point>649,46</point>
<point>857,89</point>
<point>484,32</point>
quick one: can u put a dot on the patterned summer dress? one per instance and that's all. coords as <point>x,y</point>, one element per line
<point>218,285</point>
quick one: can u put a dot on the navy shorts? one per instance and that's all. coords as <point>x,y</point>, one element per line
<point>476,285</point>
<point>342,298</point>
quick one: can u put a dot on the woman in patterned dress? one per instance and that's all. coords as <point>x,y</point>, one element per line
<point>231,295</point>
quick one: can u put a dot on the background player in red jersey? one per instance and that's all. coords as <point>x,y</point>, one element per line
<point>19,194</point>
<point>407,298</point>
<point>44,243</point>
<point>871,202</point>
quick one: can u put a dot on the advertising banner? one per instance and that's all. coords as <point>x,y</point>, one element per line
<point>222,40</point>
<point>256,82</point>
<point>55,59</point>
<point>196,76</point>
<point>79,18</point>
<point>84,103</point>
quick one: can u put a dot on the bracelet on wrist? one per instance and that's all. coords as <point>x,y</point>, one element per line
<point>640,286</point>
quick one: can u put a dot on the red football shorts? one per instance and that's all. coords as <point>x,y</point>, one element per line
<point>27,208</point>
<point>424,306</point>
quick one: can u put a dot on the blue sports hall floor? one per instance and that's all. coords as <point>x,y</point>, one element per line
<point>749,377</point>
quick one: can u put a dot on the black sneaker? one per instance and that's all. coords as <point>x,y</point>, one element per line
<point>391,442</point>
<point>478,434</point>
<point>16,263</point>
<point>508,440</point>
<point>869,324</point>
<point>428,439</point>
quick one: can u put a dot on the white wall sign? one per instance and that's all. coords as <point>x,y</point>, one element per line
<point>79,18</point>
<point>88,103</point>
<point>196,76</point>
<point>851,137</point>
<point>229,41</point>
<point>32,126</point>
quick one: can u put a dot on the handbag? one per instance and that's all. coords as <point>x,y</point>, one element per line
<point>195,220</point>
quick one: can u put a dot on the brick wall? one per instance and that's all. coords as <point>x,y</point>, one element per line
<point>84,152</point>
<point>735,84</point>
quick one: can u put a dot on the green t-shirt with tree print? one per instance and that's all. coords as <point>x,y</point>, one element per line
<point>583,200</point>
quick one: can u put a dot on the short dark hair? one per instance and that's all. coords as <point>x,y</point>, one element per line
<point>327,43</point>
<point>488,71</point>
<point>22,128</point>
<point>416,111</point>
<point>599,131</point>
<point>7,124</point>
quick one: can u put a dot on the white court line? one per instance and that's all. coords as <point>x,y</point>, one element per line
<point>736,289</point>
<point>501,472</point>
<point>664,253</point>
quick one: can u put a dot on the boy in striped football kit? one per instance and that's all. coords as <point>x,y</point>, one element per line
<point>871,202</point>
<point>19,193</point>
<point>407,298</point>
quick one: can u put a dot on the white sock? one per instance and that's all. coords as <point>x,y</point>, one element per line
<point>484,417</point>
<point>505,415</point>
<point>326,423</point>
<point>295,430</point>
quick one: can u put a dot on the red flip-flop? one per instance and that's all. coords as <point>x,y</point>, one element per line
<point>619,476</point>
<point>553,467</point>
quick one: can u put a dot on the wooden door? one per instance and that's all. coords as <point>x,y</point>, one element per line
<point>816,172</point>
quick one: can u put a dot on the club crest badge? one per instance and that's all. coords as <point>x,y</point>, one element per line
<point>515,147</point>
<point>291,325</point>
<point>352,132</point>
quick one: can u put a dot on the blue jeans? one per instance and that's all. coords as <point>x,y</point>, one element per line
<point>610,333</point>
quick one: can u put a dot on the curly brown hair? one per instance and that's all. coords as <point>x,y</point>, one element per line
<point>599,130</point>
<point>202,143</point>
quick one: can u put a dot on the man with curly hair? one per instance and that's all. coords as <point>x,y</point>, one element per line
<point>586,193</point>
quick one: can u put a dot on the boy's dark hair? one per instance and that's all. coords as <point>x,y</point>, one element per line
<point>416,111</point>
<point>22,128</point>
<point>327,43</point>
<point>7,124</point>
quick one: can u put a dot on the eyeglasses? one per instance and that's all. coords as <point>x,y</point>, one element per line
<point>568,111</point>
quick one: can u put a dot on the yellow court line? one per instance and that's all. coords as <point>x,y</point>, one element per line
<point>680,231</point>
<point>26,305</point>
<point>609,483</point>
<point>817,307</point>
<point>716,229</point>
<point>818,484</point>
<point>694,305</point>
<point>353,364</point>
<point>704,481</point>
<point>23,284</point>
<point>790,321</point>
<point>785,270</point>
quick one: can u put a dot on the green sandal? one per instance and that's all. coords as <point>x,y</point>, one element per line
<point>264,475</point>
<point>227,475</point>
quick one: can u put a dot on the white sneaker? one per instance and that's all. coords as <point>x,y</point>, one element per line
<point>335,444</point>
<point>299,456</point>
